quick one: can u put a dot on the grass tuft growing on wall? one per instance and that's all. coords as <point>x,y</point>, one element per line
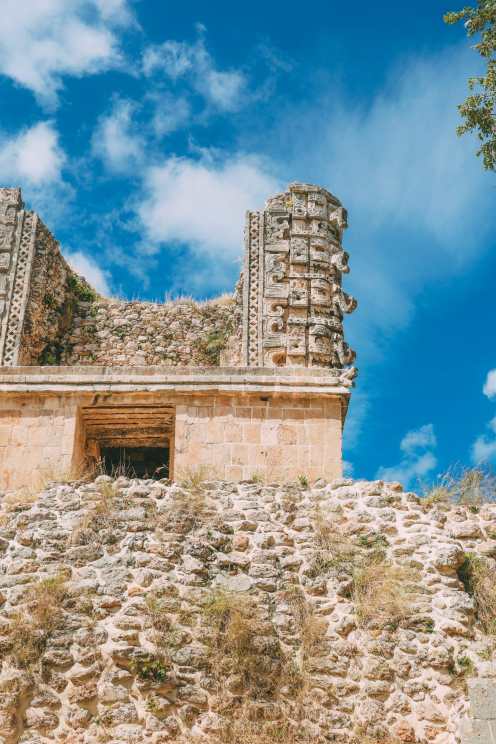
<point>30,631</point>
<point>477,577</point>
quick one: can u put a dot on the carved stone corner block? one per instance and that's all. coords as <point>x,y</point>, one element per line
<point>293,303</point>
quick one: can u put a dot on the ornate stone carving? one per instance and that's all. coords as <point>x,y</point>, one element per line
<point>293,303</point>
<point>15,225</point>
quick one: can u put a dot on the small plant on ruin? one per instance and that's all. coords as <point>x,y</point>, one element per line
<point>80,288</point>
<point>373,540</point>
<point>486,653</point>
<point>159,615</point>
<point>30,630</point>
<point>477,577</point>
<point>209,349</point>
<point>192,478</point>
<point>303,481</point>
<point>257,478</point>
<point>150,667</point>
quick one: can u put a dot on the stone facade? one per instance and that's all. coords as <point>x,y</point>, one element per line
<point>287,309</point>
<point>232,424</point>
<point>286,314</point>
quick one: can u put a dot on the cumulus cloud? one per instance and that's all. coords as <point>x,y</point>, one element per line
<point>33,156</point>
<point>117,140</point>
<point>484,448</point>
<point>87,267</point>
<point>418,458</point>
<point>198,205</point>
<point>202,202</point>
<point>43,40</point>
<point>222,89</point>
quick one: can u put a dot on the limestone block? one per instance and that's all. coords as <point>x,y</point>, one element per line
<point>477,732</point>
<point>482,694</point>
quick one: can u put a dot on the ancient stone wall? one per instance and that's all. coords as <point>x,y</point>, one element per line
<point>177,333</point>
<point>138,611</point>
<point>39,293</point>
<point>287,310</point>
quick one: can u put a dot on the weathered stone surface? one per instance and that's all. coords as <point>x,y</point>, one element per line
<point>264,546</point>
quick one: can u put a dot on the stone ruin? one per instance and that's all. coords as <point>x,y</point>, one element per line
<point>259,383</point>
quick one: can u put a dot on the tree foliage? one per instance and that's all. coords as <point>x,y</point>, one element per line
<point>479,109</point>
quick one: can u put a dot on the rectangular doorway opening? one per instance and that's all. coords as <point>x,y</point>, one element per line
<point>134,440</point>
<point>136,462</point>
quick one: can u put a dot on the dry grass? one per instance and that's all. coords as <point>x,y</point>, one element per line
<point>19,500</point>
<point>30,630</point>
<point>335,550</point>
<point>477,577</point>
<point>243,644</point>
<point>311,630</point>
<point>244,727</point>
<point>224,299</point>
<point>470,487</point>
<point>382,592</point>
<point>98,516</point>
<point>192,478</point>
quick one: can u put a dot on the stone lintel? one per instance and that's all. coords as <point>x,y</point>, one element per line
<point>225,381</point>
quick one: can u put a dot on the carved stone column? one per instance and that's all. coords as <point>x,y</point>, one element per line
<point>17,239</point>
<point>293,303</point>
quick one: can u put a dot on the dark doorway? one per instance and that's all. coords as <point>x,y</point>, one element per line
<point>136,462</point>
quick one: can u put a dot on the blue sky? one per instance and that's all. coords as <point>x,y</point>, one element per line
<point>142,131</point>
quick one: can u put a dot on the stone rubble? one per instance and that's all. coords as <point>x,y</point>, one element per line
<point>119,542</point>
<point>178,333</point>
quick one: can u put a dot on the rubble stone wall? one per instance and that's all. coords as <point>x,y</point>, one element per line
<point>176,333</point>
<point>130,654</point>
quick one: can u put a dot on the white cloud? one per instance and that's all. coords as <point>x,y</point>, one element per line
<point>422,438</point>
<point>202,202</point>
<point>32,157</point>
<point>117,140</point>
<point>170,114</point>
<point>418,199</point>
<point>418,460</point>
<point>43,40</point>
<point>484,447</point>
<point>489,388</point>
<point>85,265</point>
<point>223,89</point>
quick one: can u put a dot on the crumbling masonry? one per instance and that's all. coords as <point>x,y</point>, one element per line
<point>258,384</point>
